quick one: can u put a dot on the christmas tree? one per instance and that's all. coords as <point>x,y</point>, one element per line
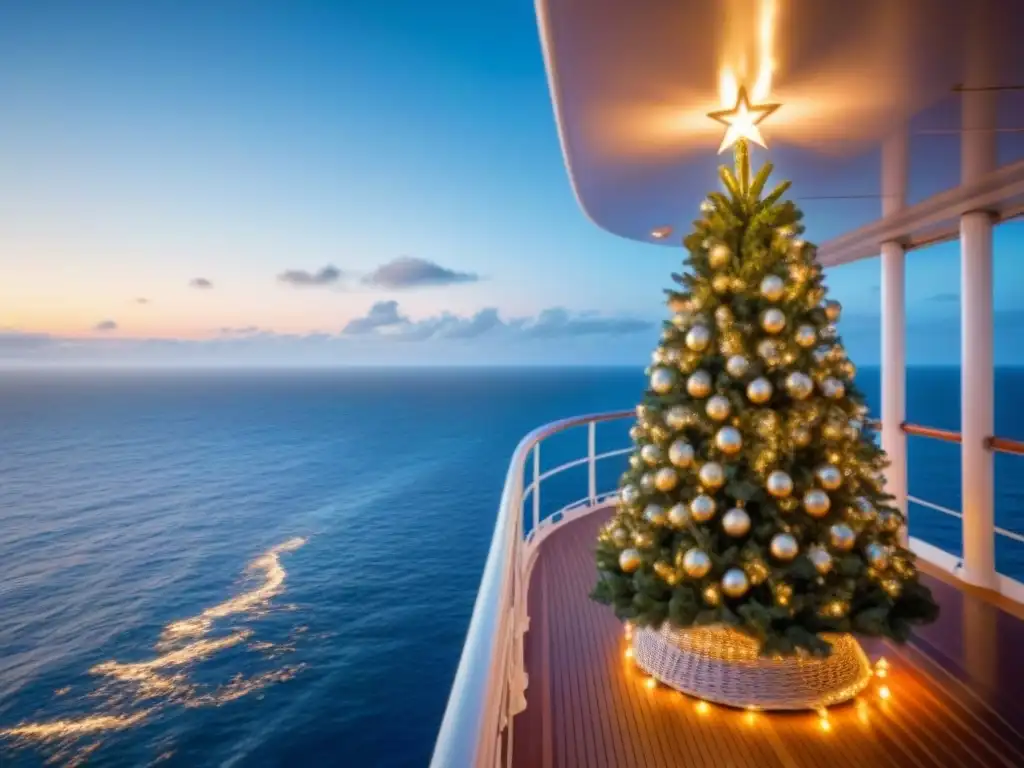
<point>755,495</point>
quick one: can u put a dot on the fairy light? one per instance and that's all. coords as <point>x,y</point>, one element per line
<point>628,653</point>
<point>750,717</point>
<point>823,721</point>
<point>881,668</point>
<point>884,693</point>
<point>651,683</point>
<point>703,708</point>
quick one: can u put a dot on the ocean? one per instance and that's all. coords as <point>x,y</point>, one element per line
<point>278,568</point>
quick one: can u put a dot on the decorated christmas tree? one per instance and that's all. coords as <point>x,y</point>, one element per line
<point>755,496</point>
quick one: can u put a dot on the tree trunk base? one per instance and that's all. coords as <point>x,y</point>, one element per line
<point>721,665</point>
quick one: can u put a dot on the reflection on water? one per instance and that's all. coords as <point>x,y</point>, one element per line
<point>128,693</point>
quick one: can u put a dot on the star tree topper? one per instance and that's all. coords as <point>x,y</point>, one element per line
<point>742,120</point>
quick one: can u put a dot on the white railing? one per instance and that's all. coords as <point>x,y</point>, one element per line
<point>490,683</point>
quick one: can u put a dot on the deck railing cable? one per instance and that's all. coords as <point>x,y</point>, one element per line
<point>490,682</point>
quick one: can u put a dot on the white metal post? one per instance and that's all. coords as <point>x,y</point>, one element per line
<point>592,462</point>
<point>978,158</point>
<point>536,487</point>
<point>895,162</point>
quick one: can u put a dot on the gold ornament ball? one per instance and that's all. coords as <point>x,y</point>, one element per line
<point>835,609</point>
<point>702,508</point>
<point>696,563</point>
<point>833,309</point>
<point>665,479</point>
<point>635,461</point>
<point>842,537</point>
<point>820,559</point>
<point>635,432</point>
<point>620,537</point>
<point>723,317</point>
<point>717,408</point>
<point>679,515</point>
<point>654,514</point>
<point>737,366</point>
<point>773,320</point>
<point>665,572</point>
<point>629,495</point>
<point>719,256</point>
<point>735,583</point>
<point>829,476</point>
<point>643,539</point>
<point>779,484</point>
<point>833,388</point>
<point>757,572</point>
<point>731,343</point>
<point>832,431</point>
<point>768,350</point>
<point>759,391</point>
<point>680,319</point>
<point>721,283</point>
<point>647,482</point>
<point>890,521</point>
<point>892,587</point>
<point>677,417</point>
<point>712,595</point>
<point>662,380</point>
<point>671,355</point>
<point>651,454</point>
<point>729,441</point>
<point>629,560</point>
<point>712,475</point>
<point>865,508</point>
<point>835,354</point>
<point>877,556</point>
<point>680,453</point>
<point>799,385</point>
<point>643,411</point>
<point>699,384</point>
<point>773,287</point>
<point>784,547</point>
<point>829,333</point>
<point>736,522</point>
<point>698,338</point>
<point>817,503</point>
<point>806,336</point>
<point>659,434</point>
<point>801,437</point>
<point>658,356</point>
<point>849,370</point>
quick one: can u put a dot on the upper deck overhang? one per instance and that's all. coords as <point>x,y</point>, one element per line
<point>632,84</point>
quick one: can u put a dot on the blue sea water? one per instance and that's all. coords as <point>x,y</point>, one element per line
<point>271,569</point>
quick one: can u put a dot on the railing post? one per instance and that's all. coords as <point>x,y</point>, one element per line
<point>978,158</point>
<point>895,161</point>
<point>536,486</point>
<point>592,462</point>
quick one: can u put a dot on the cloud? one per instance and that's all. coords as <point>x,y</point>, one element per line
<point>300,277</point>
<point>385,319</point>
<point>142,300</point>
<point>200,282</point>
<point>409,272</point>
<point>945,298</point>
<point>13,343</point>
<point>248,330</point>
<point>105,325</point>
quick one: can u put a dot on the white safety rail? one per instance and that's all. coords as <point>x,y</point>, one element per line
<point>490,683</point>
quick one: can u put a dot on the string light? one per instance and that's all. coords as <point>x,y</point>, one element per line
<point>823,721</point>
<point>651,683</point>
<point>884,693</point>
<point>628,653</point>
<point>702,708</point>
<point>882,668</point>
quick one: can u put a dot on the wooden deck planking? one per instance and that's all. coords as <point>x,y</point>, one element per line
<point>952,702</point>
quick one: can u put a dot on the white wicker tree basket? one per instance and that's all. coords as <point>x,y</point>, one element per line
<point>721,665</point>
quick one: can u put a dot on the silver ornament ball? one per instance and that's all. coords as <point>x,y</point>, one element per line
<point>806,336</point>
<point>736,522</point>
<point>768,351</point>
<point>717,408</point>
<point>643,539</point>
<point>779,484</point>
<point>773,320</point>
<point>801,437</point>
<point>729,441</point>
<point>629,560</point>
<point>833,388</point>
<point>696,563</point>
<point>677,417</point>
<point>817,503</point>
<point>698,338</point>
<point>712,475</point>
<point>723,316</point>
<point>737,366</point>
<point>620,537</point>
<point>719,256</point>
<point>877,556</point>
<point>654,514</point>
<point>772,287</point>
<point>820,559</point>
<point>629,495</point>
<point>647,482</point>
<point>699,384</point>
<point>833,309</point>
<point>702,508</point>
<point>735,583</point>
<point>679,515</point>
<point>665,479</point>
<point>680,453</point>
<point>651,454</point>
<point>759,391</point>
<point>829,476</point>
<point>842,537</point>
<point>799,385</point>
<point>784,547</point>
<point>662,380</point>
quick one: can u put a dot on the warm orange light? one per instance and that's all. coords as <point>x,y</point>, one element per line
<point>629,653</point>
<point>703,708</point>
<point>651,683</point>
<point>750,717</point>
<point>884,693</point>
<point>881,668</point>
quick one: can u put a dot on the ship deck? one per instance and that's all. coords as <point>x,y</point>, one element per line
<point>954,690</point>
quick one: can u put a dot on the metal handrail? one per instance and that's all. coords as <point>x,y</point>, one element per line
<point>993,442</point>
<point>490,682</point>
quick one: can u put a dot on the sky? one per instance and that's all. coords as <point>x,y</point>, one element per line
<point>324,183</point>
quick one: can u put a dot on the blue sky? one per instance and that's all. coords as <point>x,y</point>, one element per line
<point>334,183</point>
